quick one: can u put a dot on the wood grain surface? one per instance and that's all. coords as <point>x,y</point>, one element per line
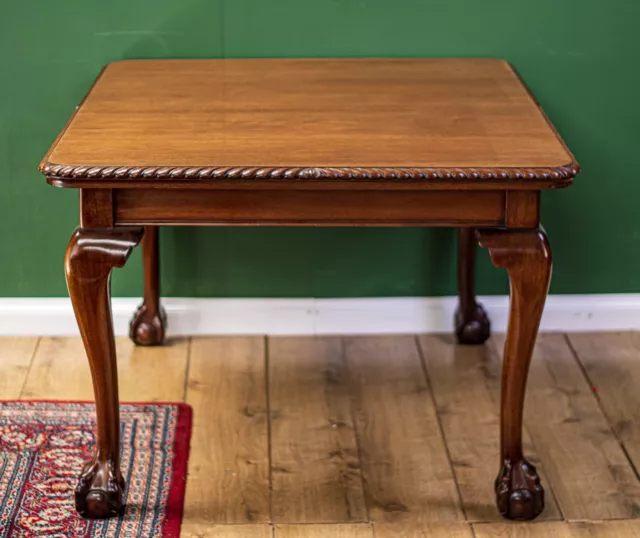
<point>407,475</point>
<point>204,530</point>
<point>229,481</point>
<point>302,207</point>
<point>629,528</point>
<point>16,354</point>
<point>403,455</point>
<point>332,115</point>
<point>324,531</point>
<point>310,414</point>
<point>60,371</point>
<point>413,529</point>
<point>611,363</point>
<point>557,529</point>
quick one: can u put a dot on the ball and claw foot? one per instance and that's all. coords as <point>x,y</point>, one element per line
<point>473,330</point>
<point>99,491</point>
<point>146,329</point>
<point>519,495</point>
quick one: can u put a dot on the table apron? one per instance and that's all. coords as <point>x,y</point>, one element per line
<point>300,208</point>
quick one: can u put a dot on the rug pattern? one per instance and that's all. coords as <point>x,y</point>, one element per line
<point>43,446</point>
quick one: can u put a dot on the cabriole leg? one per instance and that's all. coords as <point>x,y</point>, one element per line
<point>90,257</point>
<point>526,256</point>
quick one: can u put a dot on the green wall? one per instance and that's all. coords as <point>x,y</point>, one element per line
<point>580,57</point>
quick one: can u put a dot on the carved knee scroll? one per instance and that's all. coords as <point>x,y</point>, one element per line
<point>526,256</point>
<point>90,257</point>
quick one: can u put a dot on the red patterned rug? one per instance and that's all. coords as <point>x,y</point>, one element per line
<point>43,446</point>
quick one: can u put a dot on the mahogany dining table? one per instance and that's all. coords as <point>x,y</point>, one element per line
<point>309,142</point>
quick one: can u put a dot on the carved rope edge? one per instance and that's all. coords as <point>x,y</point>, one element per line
<point>251,172</point>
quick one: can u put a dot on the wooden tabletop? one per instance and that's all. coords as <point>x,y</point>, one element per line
<point>309,119</point>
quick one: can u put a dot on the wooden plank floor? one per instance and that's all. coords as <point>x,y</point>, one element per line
<point>376,436</point>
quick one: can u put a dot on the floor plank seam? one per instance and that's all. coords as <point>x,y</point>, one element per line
<point>28,373</point>
<point>267,380</point>
<point>423,364</point>
<point>576,357</point>
<point>608,520</point>
<point>323,522</point>
<point>345,365</point>
<point>187,369</point>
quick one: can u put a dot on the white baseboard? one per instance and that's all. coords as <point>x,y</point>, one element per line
<point>54,317</point>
